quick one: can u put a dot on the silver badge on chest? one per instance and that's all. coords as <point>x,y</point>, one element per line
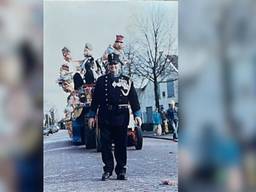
<point>124,85</point>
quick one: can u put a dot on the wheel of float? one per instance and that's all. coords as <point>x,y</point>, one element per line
<point>139,138</point>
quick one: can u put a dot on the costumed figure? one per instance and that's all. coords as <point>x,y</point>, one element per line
<point>79,84</point>
<point>90,69</point>
<point>117,48</point>
<point>70,68</point>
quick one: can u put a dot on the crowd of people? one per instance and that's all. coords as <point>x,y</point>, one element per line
<point>165,122</point>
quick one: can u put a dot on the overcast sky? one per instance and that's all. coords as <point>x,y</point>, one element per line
<point>73,23</point>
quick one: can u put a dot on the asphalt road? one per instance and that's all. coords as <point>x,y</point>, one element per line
<point>74,169</point>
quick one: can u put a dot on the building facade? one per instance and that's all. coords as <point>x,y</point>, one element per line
<point>168,91</point>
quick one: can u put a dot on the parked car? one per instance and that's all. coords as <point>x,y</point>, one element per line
<point>53,129</point>
<point>46,131</point>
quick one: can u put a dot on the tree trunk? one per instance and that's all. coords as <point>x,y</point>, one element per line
<point>156,92</point>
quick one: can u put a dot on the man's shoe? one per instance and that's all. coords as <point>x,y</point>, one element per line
<point>105,176</point>
<point>121,176</point>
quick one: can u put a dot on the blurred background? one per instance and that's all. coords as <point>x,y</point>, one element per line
<point>217,89</point>
<point>21,32</point>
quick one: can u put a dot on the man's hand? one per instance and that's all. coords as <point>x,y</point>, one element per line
<point>138,121</point>
<point>91,122</point>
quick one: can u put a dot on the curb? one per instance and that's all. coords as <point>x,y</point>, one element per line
<point>163,138</point>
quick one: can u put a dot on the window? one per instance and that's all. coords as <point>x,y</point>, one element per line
<point>163,93</point>
<point>149,111</point>
<point>170,88</point>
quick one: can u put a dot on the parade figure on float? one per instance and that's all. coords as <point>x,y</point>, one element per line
<point>67,66</point>
<point>113,95</point>
<point>70,69</point>
<point>89,67</point>
<point>117,48</point>
<point>79,83</point>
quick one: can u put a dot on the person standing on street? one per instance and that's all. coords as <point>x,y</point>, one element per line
<point>172,115</point>
<point>157,121</point>
<point>164,121</point>
<point>112,96</point>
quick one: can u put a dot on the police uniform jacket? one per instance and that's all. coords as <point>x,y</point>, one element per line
<point>111,93</point>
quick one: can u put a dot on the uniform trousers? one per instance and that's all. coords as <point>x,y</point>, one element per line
<point>113,129</point>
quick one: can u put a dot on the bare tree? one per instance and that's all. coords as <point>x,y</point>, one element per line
<point>153,51</point>
<point>129,68</point>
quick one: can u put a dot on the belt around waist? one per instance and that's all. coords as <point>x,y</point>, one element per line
<point>115,107</point>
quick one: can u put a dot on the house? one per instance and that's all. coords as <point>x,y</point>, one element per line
<point>168,91</point>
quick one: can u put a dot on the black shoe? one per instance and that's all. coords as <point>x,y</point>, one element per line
<point>121,176</point>
<point>105,176</point>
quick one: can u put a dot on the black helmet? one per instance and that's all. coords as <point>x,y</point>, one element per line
<point>113,58</point>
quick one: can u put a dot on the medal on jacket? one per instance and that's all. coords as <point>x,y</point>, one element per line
<point>124,85</point>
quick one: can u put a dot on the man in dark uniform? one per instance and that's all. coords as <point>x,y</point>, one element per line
<point>113,94</point>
